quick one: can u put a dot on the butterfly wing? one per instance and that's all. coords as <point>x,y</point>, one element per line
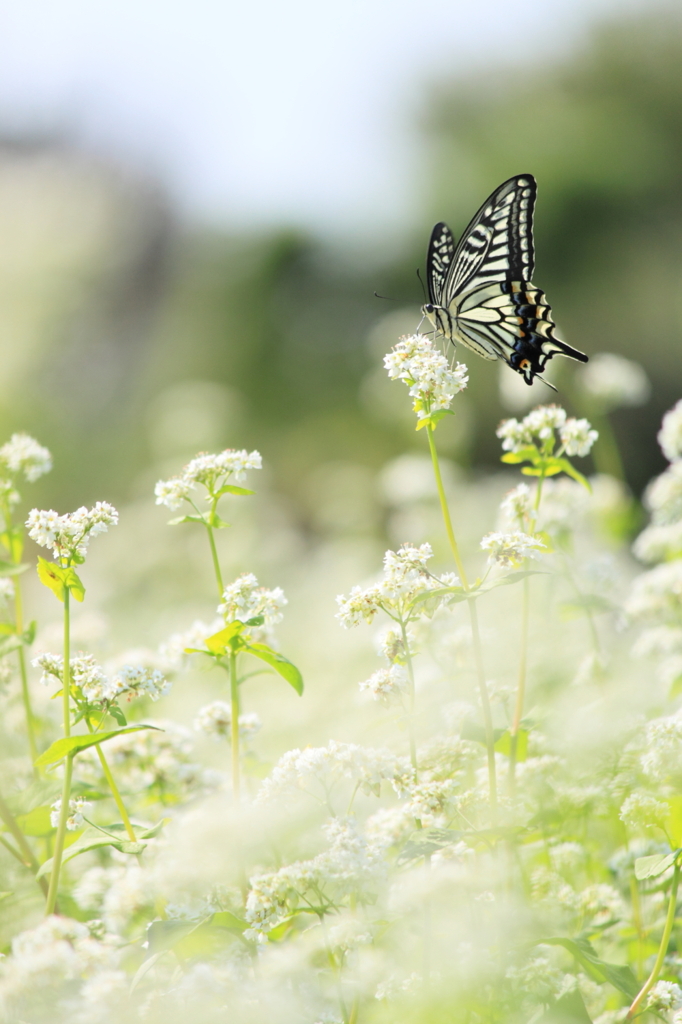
<point>498,242</point>
<point>439,261</point>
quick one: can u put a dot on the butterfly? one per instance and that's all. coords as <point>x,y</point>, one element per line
<point>480,290</point>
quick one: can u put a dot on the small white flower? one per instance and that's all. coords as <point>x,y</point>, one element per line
<point>615,381</point>
<point>659,543</point>
<point>172,493</point>
<point>665,995</point>
<point>75,820</point>
<point>141,681</point>
<point>577,437</point>
<point>433,384</point>
<point>52,667</point>
<point>642,811</point>
<point>386,684</point>
<point>244,600</point>
<point>69,535</point>
<point>216,720</point>
<point>516,506</point>
<point>670,434</point>
<point>510,550</point>
<point>23,454</point>
<point>537,427</point>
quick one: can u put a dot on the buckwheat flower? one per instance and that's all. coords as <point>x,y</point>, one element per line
<point>663,496</point>
<point>210,469</point>
<point>643,811</point>
<point>516,506</point>
<point>662,748</point>
<point>52,666</point>
<point>659,543</point>
<point>244,599</point>
<point>615,381</point>
<point>392,645</point>
<point>386,684</point>
<point>361,604</point>
<point>6,588</point>
<point>665,995</point>
<point>141,681</point>
<point>510,550</point>
<point>172,653</point>
<point>513,435</point>
<point>173,492</point>
<point>567,857</point>
<point>432,382</point>
<point>69,535</point>
<point>541,423</point>
<point>90,677</point>
<point>9,495</point>
<point>670,434</point>
<point>659,640</point>
<point>75,820</point>
<point>23,454</point>
<point>656,593</point>
<point>577,437</point>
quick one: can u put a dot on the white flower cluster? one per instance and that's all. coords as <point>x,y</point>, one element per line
<point>387,684</point>
<point>432,382</point>
<point>76,808</point>
<point>662,539</point>
<point>244,599</point>
<point>405,578</point>
<point>69,535</point>
<point>324,766</point>
<point>538,429</point>
<point>216,720</point>
<point>642,811</point>
<point>664,996</point>
<point>350,865</point>
<point>510,550</point>
<point>23,454</point>
<point>87,674</point>
<point>210,470</point>
<point>117,893</point>
<point>614,381</point>
<point>670,434</point>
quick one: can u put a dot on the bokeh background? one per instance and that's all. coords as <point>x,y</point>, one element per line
<point>197,205</point>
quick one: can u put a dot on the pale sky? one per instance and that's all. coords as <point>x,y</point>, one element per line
<point>255,112</point>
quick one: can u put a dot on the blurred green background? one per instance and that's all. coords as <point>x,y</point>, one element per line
<point>130,340</point>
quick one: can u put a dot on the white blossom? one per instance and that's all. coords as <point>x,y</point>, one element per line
<point>405,577</point>
<point>386,684</point>
<point>516,506</point>
<point>657,593</point>
<point>659,543</point>
<point>665,995</point>
<point>663,496</point>
<point>216,720</point>
<point>23,454</point>
<point>210,470</point>
<point>670,434</point>
<point>77,806</point>
<point>509,550</point>
<point>615,381</point>
<point>643,811</point>
<point>577,437</point>
<point>244,599</point>
<point>172,653</point>
<point>432,382</point>
<point>69,535</point>
<point>538,426</point>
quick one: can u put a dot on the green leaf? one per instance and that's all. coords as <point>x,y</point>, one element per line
<point>29,634</point>
<point>231,489</point>
<point>504,744</point>
<point>220,641</point>
<point>673,825</point>
<point>91,839</point>
<point>163,935</point>
<point>651,867</point>
<point>542,471</point>
<point>11,643</point>
<point>426,841</point>
<point>74,583</point>
<point>186,519</point>
<point>115,712</point>
<point>571,471</point>
<point>12,569</point>
<point>512,577</point>
<point>453,593</point>
<point>473,731</point>
<point>282,665</point>
<point>224,919</point>
<point>620,977</point>
<point>36,822</point>
<point>433,419</point>
<point>50,575</point>
<point>568,1009</point>
<point>150,833</point>
<point>530,454</point>
<point>74,744</point>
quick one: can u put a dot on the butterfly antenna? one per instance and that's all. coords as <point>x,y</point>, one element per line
<point>538,377</point>
<point>377,296</point>
<point>422,284</point>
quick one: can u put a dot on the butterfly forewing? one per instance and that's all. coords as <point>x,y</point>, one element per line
<point>498,243</point>
<point>439,261</point>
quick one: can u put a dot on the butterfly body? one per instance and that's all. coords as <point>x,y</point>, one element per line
<point>480,291</point>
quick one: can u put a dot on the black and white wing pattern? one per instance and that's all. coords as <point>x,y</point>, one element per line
<point>480,291</point>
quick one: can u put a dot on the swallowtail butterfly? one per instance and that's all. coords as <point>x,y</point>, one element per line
<point>480,290</point>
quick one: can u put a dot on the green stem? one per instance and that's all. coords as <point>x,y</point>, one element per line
<point>216,563</point>
<point>523,655</point>
<point>113,787</point>
<point>411,698</point>
<point>59,840</point>
<point>475,634</point>
<point>25,693</point>
<point>68,767</point>
<point>25,855</point>
<point>662,949</point>
<point>234,710</point>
